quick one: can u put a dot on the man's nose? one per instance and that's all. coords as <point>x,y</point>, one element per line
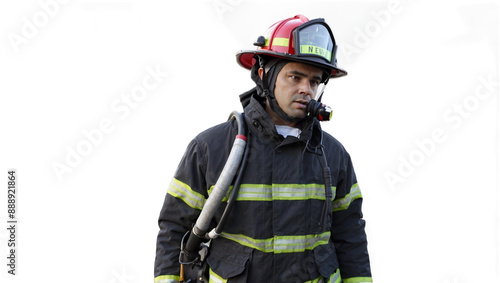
<point>306,89</point>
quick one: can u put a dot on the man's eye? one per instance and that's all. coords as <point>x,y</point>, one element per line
<point>315,83</point>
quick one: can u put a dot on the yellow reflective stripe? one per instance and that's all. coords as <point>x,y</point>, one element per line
<point>343,203</point>
<point>279,41</point>
<point>215,278</point>
<point>226,197</point>
<point>298,192</point>
<point>255,192</point>
<point>334,278</point>
<point>358,280</point>
<point>311,49</point>
<point>182,191</point>
<point>281,244</point>
<point>315,280</point>
<point>167,279</point>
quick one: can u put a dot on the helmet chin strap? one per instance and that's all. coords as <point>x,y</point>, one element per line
<point>282,114</point>
<point>274,70</point>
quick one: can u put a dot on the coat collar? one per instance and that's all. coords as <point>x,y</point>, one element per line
<point>261,124</point>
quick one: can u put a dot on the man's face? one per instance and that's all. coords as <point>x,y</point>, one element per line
<point>296,85</point>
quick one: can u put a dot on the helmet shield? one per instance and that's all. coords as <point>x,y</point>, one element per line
<point>314,38</point>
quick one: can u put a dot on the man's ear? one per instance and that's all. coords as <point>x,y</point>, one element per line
<point>260,72</point>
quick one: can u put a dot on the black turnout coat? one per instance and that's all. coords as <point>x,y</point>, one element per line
<point>278,230</point>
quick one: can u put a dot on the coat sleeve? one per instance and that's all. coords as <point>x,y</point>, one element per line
<point>348,226</point>
<point>184,200</point>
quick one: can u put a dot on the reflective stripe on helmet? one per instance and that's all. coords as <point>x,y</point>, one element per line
<point>279,41</point>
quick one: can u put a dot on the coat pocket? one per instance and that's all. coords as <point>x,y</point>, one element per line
<point>227,262</point>
<point>326,259</point>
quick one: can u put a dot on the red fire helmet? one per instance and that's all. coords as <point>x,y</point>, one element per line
<point>297,39</point>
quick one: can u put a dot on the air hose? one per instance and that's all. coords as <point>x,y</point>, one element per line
<point>198,235</point>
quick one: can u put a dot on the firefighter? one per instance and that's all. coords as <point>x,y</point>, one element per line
<point>291,222</point>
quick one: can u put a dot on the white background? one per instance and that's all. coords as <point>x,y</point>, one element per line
<point>414,113</point>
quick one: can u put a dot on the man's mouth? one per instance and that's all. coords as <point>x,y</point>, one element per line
<point>301,103</point>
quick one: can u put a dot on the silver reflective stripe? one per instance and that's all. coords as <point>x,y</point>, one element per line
<point>343,203</point>
<point>182,191</point>
<point>281,244</point>
<point>228,194</point>
<point>335,278</point>
<point>358,280</point>
<point>215,278</point>
<point>255,192</point>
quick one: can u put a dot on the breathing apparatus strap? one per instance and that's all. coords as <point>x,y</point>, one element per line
<point>323,89</point>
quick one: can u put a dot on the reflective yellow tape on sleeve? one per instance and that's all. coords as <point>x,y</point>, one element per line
<point>182,191</point>
<point>343,203</point>
<point>358,280</point>
<point>167,279</point>
<point>281,244</point>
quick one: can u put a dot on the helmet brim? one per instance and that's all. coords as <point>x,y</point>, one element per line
<point>245,59</point>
